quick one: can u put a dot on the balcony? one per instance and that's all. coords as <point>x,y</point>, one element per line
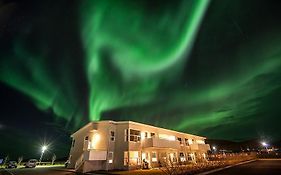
<point>199,147</point>
<point>160,143</point>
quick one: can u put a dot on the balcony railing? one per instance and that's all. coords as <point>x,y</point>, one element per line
<point>160,143</point>
<point>197,147</point>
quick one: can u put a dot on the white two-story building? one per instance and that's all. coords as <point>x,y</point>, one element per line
<point>107,145</point>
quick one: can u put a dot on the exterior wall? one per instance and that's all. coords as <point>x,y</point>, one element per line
<point>120,146</point>
<point>165,149</point>
<point>77,148</point>
<point>164,144</point>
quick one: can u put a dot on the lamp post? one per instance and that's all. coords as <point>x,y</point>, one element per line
<point>214,149</point>
<point>265,145</point>
<point>44,148</point>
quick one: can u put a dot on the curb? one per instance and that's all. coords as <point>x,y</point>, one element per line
<point>229,166</point>
<point>270,159</point>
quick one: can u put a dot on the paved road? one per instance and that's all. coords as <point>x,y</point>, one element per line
<point>37,171</point>
<point>259,167</point>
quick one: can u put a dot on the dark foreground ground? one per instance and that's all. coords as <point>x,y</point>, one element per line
<point>37,171</point>
<point>260,167</point>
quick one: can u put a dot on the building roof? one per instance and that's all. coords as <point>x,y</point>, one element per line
<point>137,123</point>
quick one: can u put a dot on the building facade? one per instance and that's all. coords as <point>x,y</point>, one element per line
<point>108,145</point>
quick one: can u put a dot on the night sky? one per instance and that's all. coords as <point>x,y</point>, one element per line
<point>211,68</point>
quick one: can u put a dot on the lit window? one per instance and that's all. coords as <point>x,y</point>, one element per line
<point>153,157</point>
<point>182,157</point>
<point>167,137</point>
<point>110,157</point>
<point>200,141</point>
<point>126,158</point>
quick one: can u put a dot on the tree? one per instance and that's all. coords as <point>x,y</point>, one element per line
<point>54,159</point>
<point>20,160</point>
<point>6,160</point>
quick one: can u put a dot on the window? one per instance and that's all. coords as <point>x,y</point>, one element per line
<point>182,157</point>
<point>126,138</point>
<point>200,141</point>
<point>110,157</point>
<point>186,142</point>
<point>145,135</point>
<point>153,157</point>
<point>126,158</point>
<point>135,135</point>
<point>152,134</point>
<point>112,136</point>
<point>190,141</point>
<point>86,143</point>
<point>179,139</point>
<point>73,142</point>
<point>173,157</point>
<point>167,137</point>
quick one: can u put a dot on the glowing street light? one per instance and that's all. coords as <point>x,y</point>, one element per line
<point>214,149</point>
<point>44,148</point>
<point>264,144</point>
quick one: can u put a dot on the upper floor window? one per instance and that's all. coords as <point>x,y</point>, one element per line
<point>126,135</point>
<point>135,135</point>
<point>73,142</point>
<point>112,136</point>
<point>186,142</point>
<point>179,139</point>
<point>200,141</point>
<point>152,134</point>
<point>86,138</point>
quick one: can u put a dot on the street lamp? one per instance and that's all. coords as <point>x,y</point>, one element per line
<point>44,148</point>
<point>214,149</point>
<point>265,145</point>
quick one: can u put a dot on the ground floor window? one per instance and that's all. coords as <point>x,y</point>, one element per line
<point>153,157</point>
<point>182,157</point>
<point>191,157</point>
<point>131,158</point>
<point>134,158</point>
<point>110,157</point>
<point>126,158</point>
<point>173,157</point>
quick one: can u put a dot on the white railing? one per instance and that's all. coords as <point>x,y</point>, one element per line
<point>160,143</point>
<point>203,147</point>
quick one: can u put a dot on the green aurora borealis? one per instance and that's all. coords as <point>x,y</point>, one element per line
<point>205,67</point>
<point>139,54</point>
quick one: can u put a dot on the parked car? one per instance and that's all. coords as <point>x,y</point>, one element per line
<point>31,163</point>
<point>11,164</point>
